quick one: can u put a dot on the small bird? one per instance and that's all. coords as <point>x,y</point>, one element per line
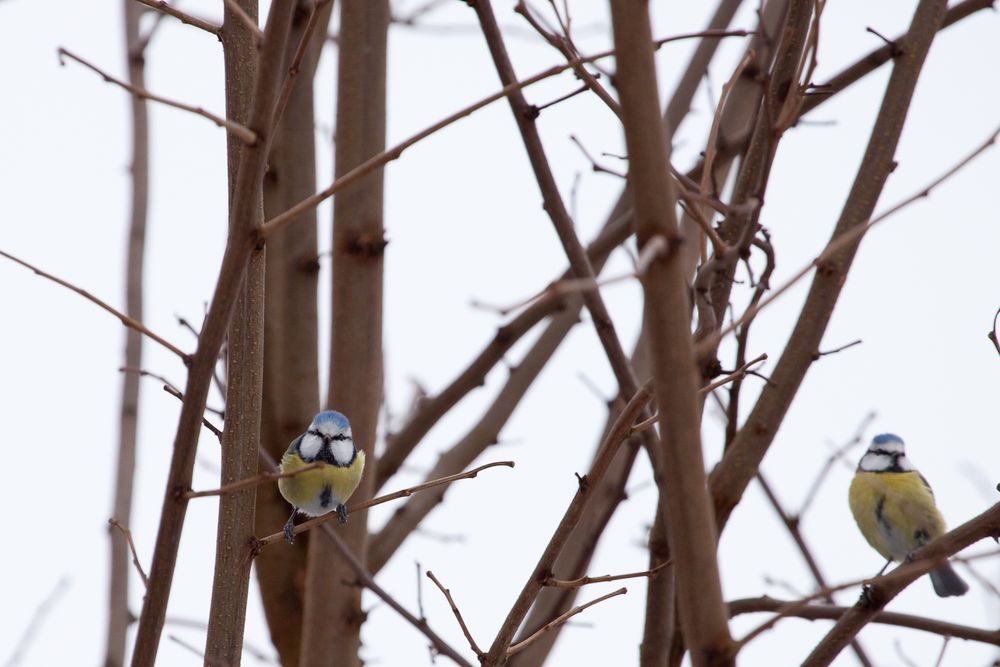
<point>326,488</point>
<point>894,507</point>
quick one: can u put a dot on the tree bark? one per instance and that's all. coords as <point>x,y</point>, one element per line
<point>119,616</point>
<point>331,632</point>
<point>291,374</point>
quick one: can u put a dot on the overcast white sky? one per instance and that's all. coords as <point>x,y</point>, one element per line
<point>465,222</point>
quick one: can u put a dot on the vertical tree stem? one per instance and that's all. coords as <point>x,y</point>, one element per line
<point>119,616</point>
<point>684,497</point>
<point>333,615</point>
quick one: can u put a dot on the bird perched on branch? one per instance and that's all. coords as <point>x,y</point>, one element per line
<point>894,507</point>
<point>324,489</point>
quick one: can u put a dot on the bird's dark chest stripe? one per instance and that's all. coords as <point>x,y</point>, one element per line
<point>326,496</point>
<point>880,515</point>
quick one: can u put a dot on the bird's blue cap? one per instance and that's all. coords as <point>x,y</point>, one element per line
<point>885,438</point>
<point>331,417</point>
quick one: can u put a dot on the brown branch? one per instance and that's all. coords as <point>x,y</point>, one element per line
<point>458,615</point>
<point>742,459</point>
<point>584,581</point>
<point>129,322</point>
<point>616,435</point>
<point>792,525</point>
<point>241,244</point>
<point>735,375</point>
<point>845,240</point>
<point>883,589</point>
<point>179,395</point>
<point>732,377</point>
<point>316,16</point>
<point>170,10</point>
<point>683,496</point>
<point>365,579</point>
<point>377,161</point>
<point>832,612</point>
<point>248,136</point>
<point>520,646</point>
<point>563,43</point>
<point>256,480</point>
<point>480,435</point>
<point>127,534</point>
<point>403,493</point>
<point>119,615</point>
<point>430,410</point>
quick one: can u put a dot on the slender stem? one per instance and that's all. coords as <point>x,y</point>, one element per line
<point>170,10</point>
<point>366,504</point>
<point>248,136</point>
<point>458,615</point>
<point>520,646</point>
<point>129,322</point>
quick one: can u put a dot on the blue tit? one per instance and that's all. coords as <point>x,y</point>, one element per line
<point>326,488</point>
<point>894,507</point>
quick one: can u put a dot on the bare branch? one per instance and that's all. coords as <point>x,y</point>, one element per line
<point>377,161</point>
<point>248,136</point>
<point>584,581</point>
<point>520,646</point>
<point>256,480</point>
<point>312,523</point>
<point>127,534</point>
<point>170,10</point>
<point>832,612</point>
<point>458,615</point>
<point>129,322</point>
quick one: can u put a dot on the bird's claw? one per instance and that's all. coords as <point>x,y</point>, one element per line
<point>289,531</point>
<point>342,513</point>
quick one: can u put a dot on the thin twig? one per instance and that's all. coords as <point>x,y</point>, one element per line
<point>365,579</point>
<point>837,349</point>
<point>738,373</point>
<point>129,322</point>
<point>245,134</point>
<point>377,161</point>
<point>131,545</point>
<point>835,456</point>
<point>179,395</point>
<point>520,646</point>
<point>735,375</point>
<point>312,523</point>
<point>584,581</point>
<point>162,6</point>
<point>847,238</point>
<point>458,615</point>
<point>256,480</point>
<point>832,612</point>
<point>293,70</point>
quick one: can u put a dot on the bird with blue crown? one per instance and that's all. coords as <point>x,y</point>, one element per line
<point>894,507</point>
<point>324,489</point>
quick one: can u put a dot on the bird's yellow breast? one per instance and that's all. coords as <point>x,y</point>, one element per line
<point>316,492</point>
<point>895,511</point>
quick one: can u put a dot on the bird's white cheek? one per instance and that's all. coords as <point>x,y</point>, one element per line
<point>342,451</point>
<point>310,446</point>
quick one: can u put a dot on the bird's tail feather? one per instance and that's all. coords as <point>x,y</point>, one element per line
<point>947,582</point>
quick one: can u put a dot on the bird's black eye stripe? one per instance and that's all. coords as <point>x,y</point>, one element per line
<point>339,436</point>
<point>315,432</point>
<point>884,452</point>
